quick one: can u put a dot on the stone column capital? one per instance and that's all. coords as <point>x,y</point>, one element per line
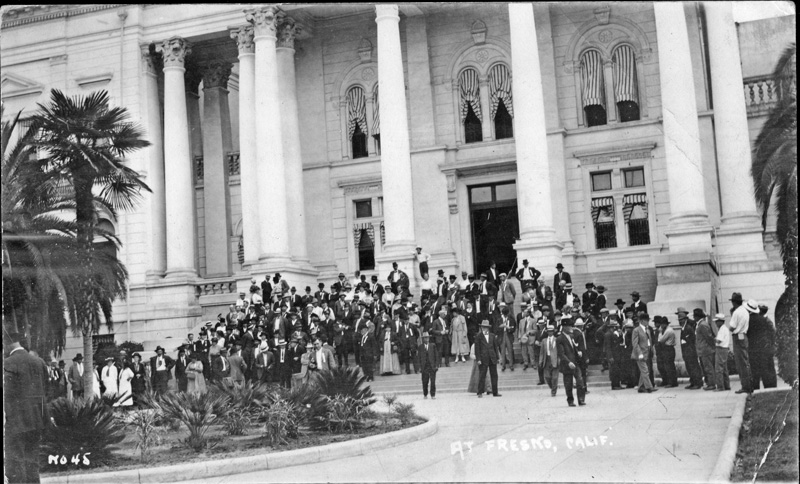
<point>216,74</point>
<point>265,20</point>
<point>287,33</point>
<point>150,61</point>
<point>244,39</point>
<point>174,51</point>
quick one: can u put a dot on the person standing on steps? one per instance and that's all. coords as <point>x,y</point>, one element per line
<point>689,350</point>
<point>738,326</point>
<point>422,260</point>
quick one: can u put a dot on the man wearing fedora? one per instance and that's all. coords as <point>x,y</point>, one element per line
<point>665,353</point>
<point>506,292</point>
<point>689,349</point>
<point>76,376</point>
<point>429,364</point>
<point>486,356</point>
<point>638,306</point>
<point>620,311</point>
<point>738,326</point>
<point>560,276</point>
<point>589,300</point>
<point>160,366</point>
<point>614,349</point>
<point>642,345</point>
<point>548,359</point>
<point>704,344</point>
<point>569,365</point>
<point>761,340</point>
<point>528,276</point>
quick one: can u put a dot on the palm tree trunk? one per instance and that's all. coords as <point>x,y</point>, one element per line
<point>88,368</point>
<point>84,216</point>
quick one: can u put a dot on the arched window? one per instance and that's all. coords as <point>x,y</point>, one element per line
<point>593,92</point>
<point>357,121</point>
<point>471,116</point>
<point>625,90</point>
<point>502,104</point>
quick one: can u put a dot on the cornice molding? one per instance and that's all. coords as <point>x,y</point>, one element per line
<point>614,154</point>
<point>16,17</point>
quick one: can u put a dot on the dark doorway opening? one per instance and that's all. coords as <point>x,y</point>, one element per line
<point>495,225</point>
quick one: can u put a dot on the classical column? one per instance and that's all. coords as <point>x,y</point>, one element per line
<point>287,90</point>
<point>395,150</point>
<point>247,143</point>
<point>271,171</point>
<point>420,87</point>
<point>740,230</point>
<point>179,199</point>
<point>157,225</point>
<point>538,241</point>
<point>689,229</point>
<point>216,146</point>
<point>192,78</point>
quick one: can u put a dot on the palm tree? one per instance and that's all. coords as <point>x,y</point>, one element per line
<point>81,142</point>
<point>774,170</point>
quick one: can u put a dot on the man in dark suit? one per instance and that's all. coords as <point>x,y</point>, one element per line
<point>248,342</point>
<point>429,363</point>
<point>266,290</point>
<point>307,298</point>
<point>24,384</point>
<point>409,336</point>
<point>180,370</point>
<point>487,292</point>
<point>322,295</point>
<point>528,276</point>
<point>220,366</point>
<point>369,351</point>
<point>614,350</point>
<point>561,275</point>
<point>295,300</point>
<point>568,363</point>
<point>486,356</point>
<point>283,364</point>
<point>641,349</point>
<point>589,299</point>
<point>160,366</point>
<point>491,274</point>
<point>689,348</point>
<point>76,376</point>
<point>441,335</point>
<point>637,305</point>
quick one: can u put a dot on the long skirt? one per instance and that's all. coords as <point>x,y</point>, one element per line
<point>390,362</point>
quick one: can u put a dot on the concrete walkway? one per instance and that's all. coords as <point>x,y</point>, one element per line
<point>672,435</point>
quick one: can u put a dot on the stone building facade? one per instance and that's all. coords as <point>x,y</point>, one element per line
<point>317,139</point>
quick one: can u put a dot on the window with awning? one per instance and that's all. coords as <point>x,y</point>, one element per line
<point>500,89</point>
<point>356,111</point>
<point>602,207</point>
<point>605,230</point>
<point>376,114</point>
<point>363,229</point>
<point>625,84</point>
<point>469,86</point>
<point>593,90</point>
<point>634,206</point>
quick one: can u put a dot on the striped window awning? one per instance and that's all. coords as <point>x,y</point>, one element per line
<point>604,206</point>
<point>500,85</point>
<point>376,113</point>
<point>592,78</point>
<point>631,201</point>
<point>356,111</point>
<point>469,86</point>
<point>383,234</point>
<point>624,61</point>
<point>357,231</point>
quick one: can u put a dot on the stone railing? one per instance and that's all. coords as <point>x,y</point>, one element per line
<point>232,160</point>
<point>760,94</point>
<point>213,288</point>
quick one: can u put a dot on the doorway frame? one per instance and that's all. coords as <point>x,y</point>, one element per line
<point>489,205</point>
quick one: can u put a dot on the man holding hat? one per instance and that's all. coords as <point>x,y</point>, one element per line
<point>486,356</point>
<point>528,276</point>
<point>160,366</point>
<point>738,326</point>
<point>641,343</point>
<point>76,376</point>
<point>429,364</point>
<point>722,346</point>
<point>568,358</point>
<point>526,324</point>
<point>689,349</point>
<point>561,276</point>
<point>548,359</point>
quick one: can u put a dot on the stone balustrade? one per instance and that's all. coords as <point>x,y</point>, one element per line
<point>218,287</point>
<point>760,94</point>
<point>232,161</point>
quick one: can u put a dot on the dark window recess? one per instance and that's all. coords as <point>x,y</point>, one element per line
<point>638,232</point>
<point>366,252</point>
<point>634,178</point>
<point>503,124</point>
<point>364,208</point>
<point>473,132</point>
<point>605,235</point>
<point>601,181</point>
<point>377,143</point>
<point>628,111</point>
<point>595,115</point>
<point>359,143</point>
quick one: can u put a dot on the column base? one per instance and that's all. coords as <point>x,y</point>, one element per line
<point>188,275</point>
<point>740,239</point>
<point>542,250</point>
<point>687,280</point>
<point>153,276</point>
<point>689,233</point>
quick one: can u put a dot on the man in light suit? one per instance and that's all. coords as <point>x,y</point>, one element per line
<point>506,292</point>
<point>321,357</point>
<point>640,341</point>
<point>548,359</point>
<point>429,363</point>
<point>486,355</point>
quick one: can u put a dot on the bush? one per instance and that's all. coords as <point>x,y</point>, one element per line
<point>346,382</point>
<point>344,414</point>
<point>245,400</point>
<point>149,434</point>
<point>81,426</point>
<point>281,422</point>
<point>237,422</point>
<point>405,412</point>
<point>197,411</point>
<point>389,399</point>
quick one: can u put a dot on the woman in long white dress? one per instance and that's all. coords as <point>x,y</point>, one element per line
<point>125,389</point>
<point>110,376</point>
<point>96,382</point>
<point>459,342</point>
<point>390,361</point>
<point>194,372</point>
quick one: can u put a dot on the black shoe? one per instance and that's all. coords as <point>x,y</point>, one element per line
<point>552,394</point>
<point>524,367</point>
<point>642,390</point>
<point>504,368</point>
<point>693,387</point>
<point>709,388</point>
<point>512,368</point>
<point>540,383</point>
<point>581,403</point>
<point>617,388</point>
<point>741,390</point>
<point>571,404</point>
<point>651,390</point>
<point>674,385</point>
<point>689,387</point>
<point>497,395</point>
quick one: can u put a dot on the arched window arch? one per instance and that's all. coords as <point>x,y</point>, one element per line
<point>470,106</point>
<point>593,88</point>
<point>357,121</point>
<point>626,92</point>
<point>502,106</point>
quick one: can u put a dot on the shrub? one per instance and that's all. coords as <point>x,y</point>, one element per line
<point>347,382</point>
<point>390,399</point>
<point>197,411</point>
<point>81,426</point>
<point>281,422</point>
<point>243,396</point>
<point>237,422</point>
<point>149,434</point>
<point>344,414</point>
<point>405,412</point>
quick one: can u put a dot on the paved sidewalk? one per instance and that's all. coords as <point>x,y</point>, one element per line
<point>672,435</point>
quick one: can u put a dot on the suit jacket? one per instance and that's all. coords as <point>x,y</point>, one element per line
<point>589,299</point>
<point>238,367</point>
<point>180,369</point>
<point>567,353</point>
<point>75,378</point>
<point>506,294</point>
<point>217,371</point>
<point>486,352</point>
<point>688,334</point>
<point>564,276</point>
<point>638,306</point>
<point>25,380</point>
<point>369,347</point>
<point>639,343</point>
<point>704,339</point>
<point>168,362</point>
<point>322,296</point>
<point>535,274</point>
<point>428,359</point>
<point>543,356</point>
<point>266,290</point>
<point>492,276</point>
<point>329,360</point>
<point>295,301</point>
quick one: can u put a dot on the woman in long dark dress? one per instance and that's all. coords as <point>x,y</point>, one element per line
<point>139,381</point>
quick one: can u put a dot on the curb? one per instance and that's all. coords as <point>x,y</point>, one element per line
<point>727,456</point>
<point>239,465</point>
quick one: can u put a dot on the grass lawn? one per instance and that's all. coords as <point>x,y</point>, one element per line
<point>782,461</point>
